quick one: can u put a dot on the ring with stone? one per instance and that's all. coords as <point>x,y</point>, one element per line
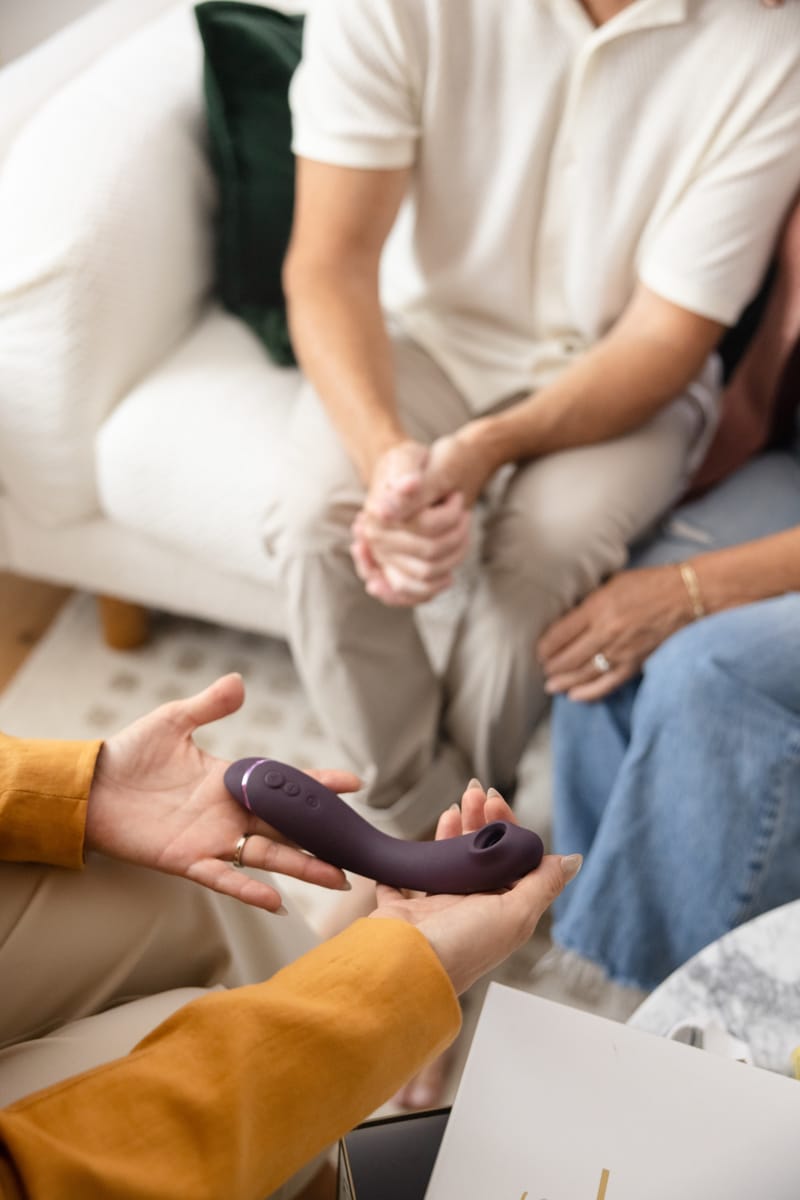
<point>601,663</point>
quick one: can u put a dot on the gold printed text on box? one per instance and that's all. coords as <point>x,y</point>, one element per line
<point>601,1190</point>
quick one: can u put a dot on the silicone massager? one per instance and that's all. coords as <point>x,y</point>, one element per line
<point>318,820</point>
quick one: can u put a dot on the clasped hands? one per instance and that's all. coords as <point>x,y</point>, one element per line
<point>414,529</point>
<point>415,526</point>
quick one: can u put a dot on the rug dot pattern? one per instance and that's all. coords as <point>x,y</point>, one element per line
<point>74,686</point>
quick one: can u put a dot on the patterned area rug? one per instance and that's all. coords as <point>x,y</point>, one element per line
<point>73,686</point>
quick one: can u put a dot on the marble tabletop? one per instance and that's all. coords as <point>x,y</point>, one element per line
<point>748,981</point>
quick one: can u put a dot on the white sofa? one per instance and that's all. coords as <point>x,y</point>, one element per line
<point>138,421</point>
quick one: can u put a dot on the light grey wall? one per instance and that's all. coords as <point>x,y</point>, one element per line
<point>26,23</point>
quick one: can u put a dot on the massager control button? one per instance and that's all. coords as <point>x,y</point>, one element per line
<point>274,779</point>
<point>291,789</point>
<point>311,800</point>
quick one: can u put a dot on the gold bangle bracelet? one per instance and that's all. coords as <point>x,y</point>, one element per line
<point>692,585</point>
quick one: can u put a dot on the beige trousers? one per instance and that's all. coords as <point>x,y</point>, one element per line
<point>553,529</point>
<point>91,961</point>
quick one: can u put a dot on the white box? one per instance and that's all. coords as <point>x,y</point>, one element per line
<point>557,1104</point>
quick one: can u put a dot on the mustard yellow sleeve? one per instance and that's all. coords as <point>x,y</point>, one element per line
<point>237,1090</point>
<point>44,787</point>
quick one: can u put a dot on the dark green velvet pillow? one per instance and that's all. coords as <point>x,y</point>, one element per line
<point>250,56</point>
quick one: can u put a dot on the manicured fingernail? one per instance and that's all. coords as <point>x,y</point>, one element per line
<point>454,808</point>
<point>281,912</point>
<point>346,886</point>
<point>493,792</point>
<point>474,783</point>
<point>570,865</point>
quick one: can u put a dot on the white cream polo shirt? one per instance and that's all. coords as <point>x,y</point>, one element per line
<point>555,163</point>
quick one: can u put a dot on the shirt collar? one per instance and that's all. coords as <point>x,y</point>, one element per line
<point>646,14</point>
<point>642,14</point>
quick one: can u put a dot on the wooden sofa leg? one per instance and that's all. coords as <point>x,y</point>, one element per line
<point>125,626</point>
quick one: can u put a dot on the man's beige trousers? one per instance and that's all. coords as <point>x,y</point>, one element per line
<point>552,531</point>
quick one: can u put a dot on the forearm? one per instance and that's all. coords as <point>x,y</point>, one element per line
<point>236,1091</point>
<point>649,358</point>
<point>44,790</point>
<point>750,572</point>
<point>342,345</point>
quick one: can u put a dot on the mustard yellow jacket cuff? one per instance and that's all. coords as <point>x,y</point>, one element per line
<point>44,788</point>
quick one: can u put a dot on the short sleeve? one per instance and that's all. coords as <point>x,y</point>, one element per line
<point>709,251</point>
<point>355,95</point>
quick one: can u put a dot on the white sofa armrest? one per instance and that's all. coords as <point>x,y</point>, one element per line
<point>28,81</point>
<point>106,202</point>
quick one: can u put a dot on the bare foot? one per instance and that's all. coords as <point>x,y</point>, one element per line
<point>427,1088</point>
<point>354,904</point>
<point>349,907</point>
<point>322,1186</point>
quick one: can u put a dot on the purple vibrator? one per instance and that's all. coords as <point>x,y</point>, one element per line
<point>321,822</point>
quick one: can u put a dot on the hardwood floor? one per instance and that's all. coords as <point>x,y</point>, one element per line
<point>27,607</point>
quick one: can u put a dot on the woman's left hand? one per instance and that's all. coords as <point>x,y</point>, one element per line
<point>604,641</point>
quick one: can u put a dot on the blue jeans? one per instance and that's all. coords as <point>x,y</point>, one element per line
<point>682,789</point>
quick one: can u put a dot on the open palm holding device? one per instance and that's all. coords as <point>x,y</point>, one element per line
<point>318,820</point>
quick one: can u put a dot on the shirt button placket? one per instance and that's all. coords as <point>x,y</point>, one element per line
<point>549,294</point>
